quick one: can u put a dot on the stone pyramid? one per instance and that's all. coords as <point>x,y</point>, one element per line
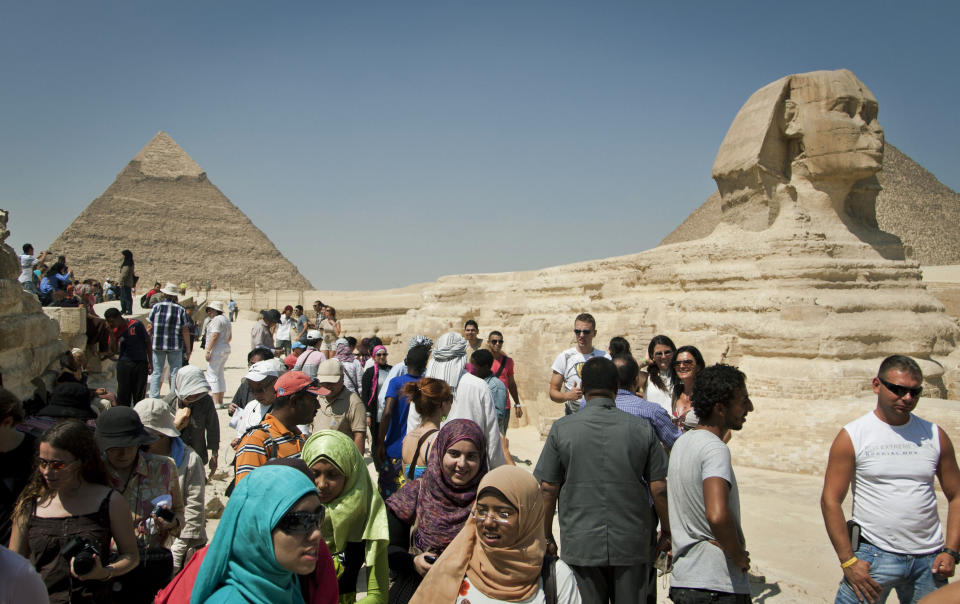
<point>913,205</point>
<point>178,225</point>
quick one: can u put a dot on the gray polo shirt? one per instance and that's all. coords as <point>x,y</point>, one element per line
<point>601,456</point>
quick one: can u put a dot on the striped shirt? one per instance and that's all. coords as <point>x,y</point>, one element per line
<point>268,440</point>
<point>168,319</point>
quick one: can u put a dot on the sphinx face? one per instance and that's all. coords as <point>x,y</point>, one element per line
<point>836,117</point>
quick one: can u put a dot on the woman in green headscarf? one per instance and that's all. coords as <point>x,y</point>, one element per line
<point>355,527</point>
<point>268,534</point>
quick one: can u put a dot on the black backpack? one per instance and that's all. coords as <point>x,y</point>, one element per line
<point>548,573</point>
<point>144,301</point>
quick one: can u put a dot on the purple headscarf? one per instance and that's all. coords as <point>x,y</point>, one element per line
<point>440,507</point>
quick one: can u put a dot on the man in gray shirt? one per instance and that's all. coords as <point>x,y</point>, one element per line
<point>598,462</point>
<point>710,559</point>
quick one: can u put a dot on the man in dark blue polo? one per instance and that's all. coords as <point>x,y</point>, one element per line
<point>598,463</point>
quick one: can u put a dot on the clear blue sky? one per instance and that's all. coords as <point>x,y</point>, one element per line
<point>418,139</point>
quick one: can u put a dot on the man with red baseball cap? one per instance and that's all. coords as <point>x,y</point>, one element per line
<point>277,435</point>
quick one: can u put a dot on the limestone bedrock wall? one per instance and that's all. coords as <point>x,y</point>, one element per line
<point>28,338</point>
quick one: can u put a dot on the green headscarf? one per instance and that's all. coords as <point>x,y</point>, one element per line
<point>358,513</point>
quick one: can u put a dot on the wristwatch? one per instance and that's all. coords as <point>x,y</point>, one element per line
<point>953,554</point>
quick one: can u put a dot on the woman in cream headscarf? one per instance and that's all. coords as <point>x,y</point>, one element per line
<point>356,523</point>
<point>498,555</point>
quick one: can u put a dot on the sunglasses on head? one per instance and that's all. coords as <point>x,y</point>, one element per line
<point>302,523</point>
<point>901,391</point>
<point>582,332</point>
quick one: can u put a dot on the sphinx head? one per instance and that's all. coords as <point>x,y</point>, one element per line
<point>819,127</point>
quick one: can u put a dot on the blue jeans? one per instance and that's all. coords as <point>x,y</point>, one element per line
<point>909,575</point>
<point>174,358</point>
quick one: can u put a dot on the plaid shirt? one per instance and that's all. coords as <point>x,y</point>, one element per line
<point>168,319</point>
<point>659,419</point>
<point>268,440</point>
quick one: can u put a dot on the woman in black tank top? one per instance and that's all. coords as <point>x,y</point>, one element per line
<point>67,515</point>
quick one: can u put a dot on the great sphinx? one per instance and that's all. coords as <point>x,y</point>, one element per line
<point>797,284</point>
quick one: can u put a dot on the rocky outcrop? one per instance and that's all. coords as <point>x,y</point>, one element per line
<point>178,225</point>
<point>28,338</point>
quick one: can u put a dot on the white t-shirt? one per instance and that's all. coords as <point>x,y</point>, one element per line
<point>284,327</point>
<point>220,324</point>
<point>567,591</point>
<point>19,582</point>
<point>893,498</point>
<point>569,364</point>
<point>27,263</point>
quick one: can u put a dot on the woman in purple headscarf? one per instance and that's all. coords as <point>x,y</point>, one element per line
<point>436,505</point>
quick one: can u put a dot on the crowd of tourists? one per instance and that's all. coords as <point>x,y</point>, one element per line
<point>103,492</point>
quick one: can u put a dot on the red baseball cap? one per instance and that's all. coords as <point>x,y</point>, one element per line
<point>293,382</point>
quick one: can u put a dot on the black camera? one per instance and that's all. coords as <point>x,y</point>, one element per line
<point>163,512</point>
<point>82,550</point>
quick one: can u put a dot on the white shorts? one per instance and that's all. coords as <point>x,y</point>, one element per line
<point>214,372</point>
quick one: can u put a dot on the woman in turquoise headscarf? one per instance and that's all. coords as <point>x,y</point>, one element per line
<point>268,534</point>
<point>356,522</point>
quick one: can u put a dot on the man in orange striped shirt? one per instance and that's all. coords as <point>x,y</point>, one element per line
<point>277,435</point>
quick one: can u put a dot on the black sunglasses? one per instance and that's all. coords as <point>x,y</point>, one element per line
<point>582,332</point>
<point>901,391</point>
<point>495,341</point>
<point>302,523</point>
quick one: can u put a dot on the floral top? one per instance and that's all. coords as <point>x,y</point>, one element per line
<point>153,476</point>
<point>567,591</point>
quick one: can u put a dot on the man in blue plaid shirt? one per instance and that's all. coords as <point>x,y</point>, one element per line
<point>167,324</point>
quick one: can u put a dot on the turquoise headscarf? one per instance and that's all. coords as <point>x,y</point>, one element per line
<point>240,562</point>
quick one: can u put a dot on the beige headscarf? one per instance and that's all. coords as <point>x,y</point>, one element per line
<point>510,573</point>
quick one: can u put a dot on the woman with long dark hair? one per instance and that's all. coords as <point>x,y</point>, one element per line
<point>687,363</point>
<point>67,504</point>
<point>127,281</point>
<point>660,375</point>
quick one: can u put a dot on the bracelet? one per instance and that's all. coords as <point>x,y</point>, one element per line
<point>109,570</point>
<point>850,562</point>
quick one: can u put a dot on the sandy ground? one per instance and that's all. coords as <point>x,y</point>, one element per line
<point>791,555</point>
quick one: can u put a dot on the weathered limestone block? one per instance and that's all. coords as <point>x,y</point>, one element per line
<point>28,338</point>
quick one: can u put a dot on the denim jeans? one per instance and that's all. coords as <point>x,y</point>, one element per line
<point>174,358</point>
<point>909,575</point>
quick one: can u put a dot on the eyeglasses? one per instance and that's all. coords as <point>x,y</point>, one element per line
<point>302,523</point>
<point>500,517</point>
<point>668,353</point>
<point>901,391</point>
<point>582,332</point>
<point>54,464</point>
<point>495,342</point>
<point>684,363</point>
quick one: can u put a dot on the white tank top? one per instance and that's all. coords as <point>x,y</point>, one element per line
<point>893,498</point>
<point>664,398</point>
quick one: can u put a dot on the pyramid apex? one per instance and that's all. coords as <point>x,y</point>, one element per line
<point>162,157</point>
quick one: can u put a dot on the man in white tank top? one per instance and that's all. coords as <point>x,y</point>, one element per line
<point>891,456</point>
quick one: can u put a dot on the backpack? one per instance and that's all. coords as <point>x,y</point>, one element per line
<point>144,301</point>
